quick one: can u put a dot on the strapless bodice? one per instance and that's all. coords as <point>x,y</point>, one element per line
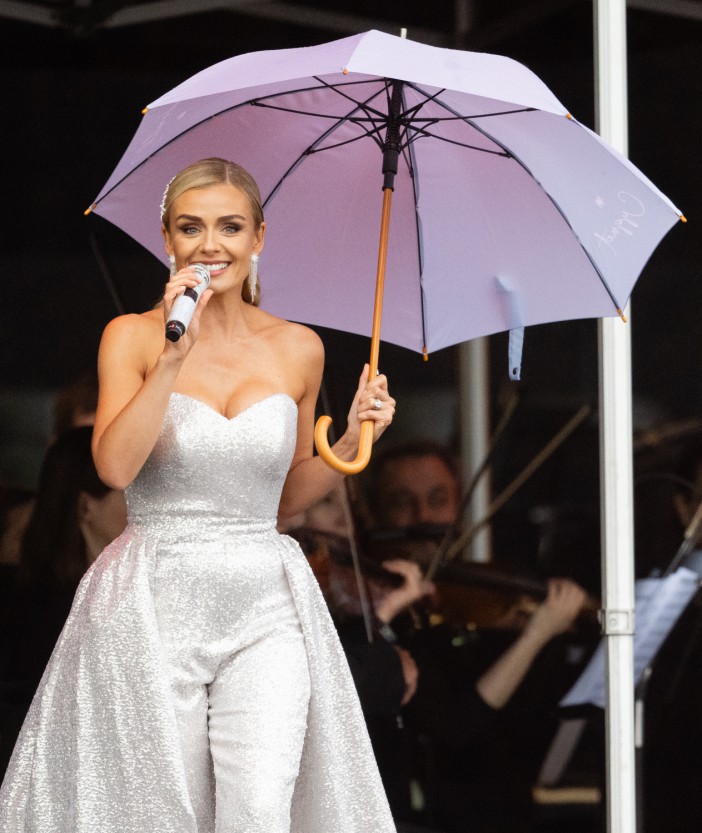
<point>207,466</point>
<point>199,576</point>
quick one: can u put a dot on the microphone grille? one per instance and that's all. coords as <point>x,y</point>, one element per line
<point>202,271</point>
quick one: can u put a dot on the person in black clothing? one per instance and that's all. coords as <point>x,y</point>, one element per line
<point>74,517</point>
<point>483,708</point>
<point>672,736</point>
<point>384,672</point>
<point>430,705</point>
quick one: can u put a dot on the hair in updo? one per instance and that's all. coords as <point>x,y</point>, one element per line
<point>216,171</point>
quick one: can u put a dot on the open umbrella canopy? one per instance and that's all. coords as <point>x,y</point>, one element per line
<point>506,212</point>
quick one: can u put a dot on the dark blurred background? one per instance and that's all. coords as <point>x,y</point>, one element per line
<point>76,76</point>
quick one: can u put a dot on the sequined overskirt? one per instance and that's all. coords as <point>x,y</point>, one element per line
<point>99,750</point>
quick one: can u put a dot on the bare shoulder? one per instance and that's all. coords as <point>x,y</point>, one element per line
<point>304,339</point>
<point>134,334</point>
<point>134,324</point>
<point>307,348</point>
<point>289,336</point>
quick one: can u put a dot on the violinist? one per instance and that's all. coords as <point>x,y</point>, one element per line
<point>672,737</point>
<point>384,672</point>
<point>480,774</point>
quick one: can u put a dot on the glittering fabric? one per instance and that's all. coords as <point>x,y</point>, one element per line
<point>198,685</point>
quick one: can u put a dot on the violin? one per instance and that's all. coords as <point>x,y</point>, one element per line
<point>320,546</point>
<point>469,595</point>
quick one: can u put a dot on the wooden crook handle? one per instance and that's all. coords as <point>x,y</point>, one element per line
<point>365,442</point>
<point>345,467</point>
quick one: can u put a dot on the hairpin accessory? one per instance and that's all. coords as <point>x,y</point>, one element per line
<point>163,199</point>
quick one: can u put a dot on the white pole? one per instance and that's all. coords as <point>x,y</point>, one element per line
<point>474,391</point>
<point>616,468</point>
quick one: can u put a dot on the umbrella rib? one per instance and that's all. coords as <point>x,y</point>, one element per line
<point>408,154</point>
<point>380,116</point>
<point>379,120</point>
<point>410,119</point>
<point>354,119</point>
<point>249,102</point>
<point>368,133</point>
<point>475,116</point>
<point>411,113</point>
<point>310,150</point>
<point>365,106</point>
<point>618,307</point>
<point>425,134</point>
<point>325,84</point>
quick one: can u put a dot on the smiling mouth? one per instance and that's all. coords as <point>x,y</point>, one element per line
<point>216,267</point>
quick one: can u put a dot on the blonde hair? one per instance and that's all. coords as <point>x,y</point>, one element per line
<point>216,171</point>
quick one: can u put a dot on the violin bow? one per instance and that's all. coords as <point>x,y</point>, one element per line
<point>518,481</point>
<point>348,503</point>
<point>452,530</point>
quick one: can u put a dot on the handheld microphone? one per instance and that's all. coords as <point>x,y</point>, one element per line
<point>184,306</point>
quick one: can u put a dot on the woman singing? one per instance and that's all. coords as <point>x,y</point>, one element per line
<point>198,685</point>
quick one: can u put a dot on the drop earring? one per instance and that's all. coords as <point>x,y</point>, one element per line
<point>171,261</point>
<point>253,276</point>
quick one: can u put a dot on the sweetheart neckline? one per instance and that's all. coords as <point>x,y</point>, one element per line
<point>241,413</point>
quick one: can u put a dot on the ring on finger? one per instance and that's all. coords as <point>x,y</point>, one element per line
<point>377,404</point>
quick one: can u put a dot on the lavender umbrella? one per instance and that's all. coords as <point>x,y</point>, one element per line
<point>507,212</point>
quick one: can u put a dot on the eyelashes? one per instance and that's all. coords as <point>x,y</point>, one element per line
<point>190,230</point>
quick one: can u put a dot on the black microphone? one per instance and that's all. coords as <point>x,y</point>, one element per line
<point>184,306</point>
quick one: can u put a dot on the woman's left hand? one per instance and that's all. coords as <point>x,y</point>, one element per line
<point>371,402</point>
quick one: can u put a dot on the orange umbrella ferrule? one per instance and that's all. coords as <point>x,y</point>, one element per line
<point>89,210</point>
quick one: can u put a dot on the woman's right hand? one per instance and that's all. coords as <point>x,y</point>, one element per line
<point>138,368</point>
<point>176,286</point>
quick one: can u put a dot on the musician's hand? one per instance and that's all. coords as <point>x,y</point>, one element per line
<point>410,672</point>
<point>558,612</point>
<point>555,615</point>
<point>518,614</point>
<point>413,588</point>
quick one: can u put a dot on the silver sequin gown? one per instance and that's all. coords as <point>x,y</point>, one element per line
<point>118,738</point>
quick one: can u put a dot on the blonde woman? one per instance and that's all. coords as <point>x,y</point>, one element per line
<point>198,685</point>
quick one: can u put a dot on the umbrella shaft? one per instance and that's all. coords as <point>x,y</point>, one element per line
<point>391,146</point>
<point>380,283</point>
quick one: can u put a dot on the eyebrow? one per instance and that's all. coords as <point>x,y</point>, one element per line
<point>226,218</point>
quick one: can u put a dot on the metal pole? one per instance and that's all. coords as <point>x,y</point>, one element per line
<point>616,466</point>
<point>474,395</point>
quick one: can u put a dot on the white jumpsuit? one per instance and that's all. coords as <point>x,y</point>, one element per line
<point>198,685</point>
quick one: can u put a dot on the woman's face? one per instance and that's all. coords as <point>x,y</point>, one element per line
<point>214,226</point>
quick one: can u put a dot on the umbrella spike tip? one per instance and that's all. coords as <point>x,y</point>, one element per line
<point>683,218</point>
<point>144,111</point>
<point>425,355</point>
<point>345,71</point>
<point>89,210</point>
<point>620,313</point>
